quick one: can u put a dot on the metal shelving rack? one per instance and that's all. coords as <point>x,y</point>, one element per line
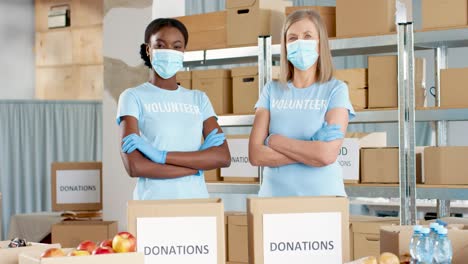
<point>404,43</point>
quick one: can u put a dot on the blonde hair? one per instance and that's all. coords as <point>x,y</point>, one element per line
<point>325,61</point>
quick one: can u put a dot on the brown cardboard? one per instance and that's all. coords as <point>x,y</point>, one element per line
<point>184,79</point>
<point>364,17</point>
<point>180,208</point>
<point>238,238</point>
<point>359,98</point>
<point>327,13</point>
<point>445,165</point>
<point>257,207</point>
<point>58,166</point>
<point>10,255</point>
<point>395,239</point>
<point>244,152</point>
<point>379,165</point>
<point>206,31</point>
<point>248,19</point>
<point>120,258</point>
<point>444,13</point>
<point>71,233</point>
<point>383,88</point>
<point>213,176</point>
<point>354,78</point>
<point>244,89</point>
<point>453,87</point>
<point>226,229</point>
<point>217,85</point>
<point>366,234</point>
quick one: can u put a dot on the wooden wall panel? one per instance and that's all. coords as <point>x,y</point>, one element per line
<point>56,83</point>
<point>54,48</point>
<point>87,12</point>
<point>87,45</point>
<point>91,82</point>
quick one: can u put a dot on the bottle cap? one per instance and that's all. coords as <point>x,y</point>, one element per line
<point>425,230</point>
<point>442,231</point>
<point>417,228</point>
<point>434,226</point>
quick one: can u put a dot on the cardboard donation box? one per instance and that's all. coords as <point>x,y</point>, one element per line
<point>244,89</point>
<point>327,13</point>
<point>365,235</point>
<point>240,170</point>
<point>238,246</point>
<point>349,157</point>
<point>365,17</point>
<point>453,91</point>
<point>179,231</point>
<point>116,258</point>
<point>213,176</point>
<point>298,230</point>
<point>206,31</point>
<point>10,255</point>
<point>249,19</point>
<point>184,79</point>
<point>217,85</point>
<point>76,186</point>
<point>71,233</point>
<point>446,165</point>
<point>444,13</point>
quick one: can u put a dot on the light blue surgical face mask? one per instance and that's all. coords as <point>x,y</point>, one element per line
<point>167,62</point>
<point>302,53</point>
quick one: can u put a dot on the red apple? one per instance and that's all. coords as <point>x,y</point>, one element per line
<point>124,242</point>
<point>103,250</point>
<point>78,253</point>
<point>106,243</point>
<point>52,253</point>
<point>87,245</point>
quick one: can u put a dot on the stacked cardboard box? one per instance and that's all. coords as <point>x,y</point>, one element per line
<point>444,13</point>
<point>453,87</point>
<point>327,13</point>
<point>445,165</point>
<point>71,233</point>
<point>206,31</point>
<point>364,17</point>
<point>244,89</point>
<point>249,19</point>
<point>217,85</point>
<point>356,80</point>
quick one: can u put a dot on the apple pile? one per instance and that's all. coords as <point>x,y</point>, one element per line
<point>123,242</point>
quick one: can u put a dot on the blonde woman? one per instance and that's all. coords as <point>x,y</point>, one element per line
<point>301,120</point>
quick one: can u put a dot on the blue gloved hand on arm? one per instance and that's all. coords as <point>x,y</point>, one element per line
<point>328,133</point>
<point>133,142</point>
<point>212,140</point>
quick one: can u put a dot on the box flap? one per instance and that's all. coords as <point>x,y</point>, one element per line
<point>244,71</point>
<point>231,4</point>
<point>238,220</point>
<point>211,74</point>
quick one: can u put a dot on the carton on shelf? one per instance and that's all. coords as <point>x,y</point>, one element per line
<point>238,238</point>
<point>184,79</point>
<point>354,78</point>
<point>244,89</point>
<point>453,92</point>
<point>445,165</point>
<point>206,31</point>
<point>327,13</point>
<point>217,85</point>
<point>71,233</point>
<point>278,224</point>
<point>240,170</point>
<point>359,98</point>
<point>10,255</point>
<point>183,226</point>
<point>249,19</point>
<point>213,176</point>
<point>364,17</point>
<point>444,13</point>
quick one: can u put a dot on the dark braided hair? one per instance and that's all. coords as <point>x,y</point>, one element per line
<point>153,28</point>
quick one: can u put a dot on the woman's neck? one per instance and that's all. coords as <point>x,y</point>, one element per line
<point>304,79</point>
<point>167,84</point>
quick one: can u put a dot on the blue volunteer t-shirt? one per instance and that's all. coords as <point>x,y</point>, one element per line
<point>298,114</point>
<point>170,121</point>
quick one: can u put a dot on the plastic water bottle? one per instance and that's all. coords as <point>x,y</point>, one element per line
<point>424,248</point>
<point>414,241</point>
<point>443,248</point>
<point>433,234</point>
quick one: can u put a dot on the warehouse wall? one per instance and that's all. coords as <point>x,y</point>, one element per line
<point>16,49</point>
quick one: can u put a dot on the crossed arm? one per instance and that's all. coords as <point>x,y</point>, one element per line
<point>283,151</point>
<point>178,164</point>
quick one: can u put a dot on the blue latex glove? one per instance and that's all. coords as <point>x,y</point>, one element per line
<point>328,133</point>
<point>213,140</point>
<point>133,142</point>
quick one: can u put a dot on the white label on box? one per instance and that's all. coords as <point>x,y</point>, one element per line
<point>240,164</point>
<point>178,240</point>
<point>78,186</point>
<point>348,158</point>
<point>302,238</point>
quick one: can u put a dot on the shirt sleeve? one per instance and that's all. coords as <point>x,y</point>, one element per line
<point>128,106</point>
<point>207,110</point>
<point>264,100</point>
<point>340,99</point>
